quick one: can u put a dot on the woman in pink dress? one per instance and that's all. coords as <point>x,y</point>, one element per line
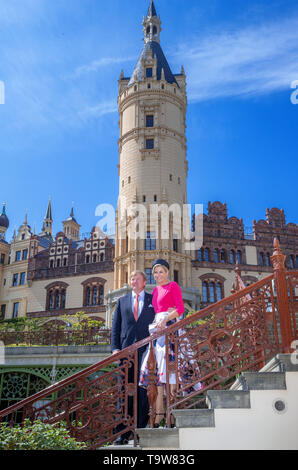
<point>168,305</point>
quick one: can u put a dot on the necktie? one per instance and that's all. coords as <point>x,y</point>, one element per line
<point>136,308</point>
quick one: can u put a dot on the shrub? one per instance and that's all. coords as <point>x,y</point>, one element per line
<point>37,436</point>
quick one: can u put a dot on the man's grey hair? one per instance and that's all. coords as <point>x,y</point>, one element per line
<point>139,272</point>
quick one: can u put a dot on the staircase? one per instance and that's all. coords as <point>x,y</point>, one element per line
<point>235,337</point>
<point>259,412</point>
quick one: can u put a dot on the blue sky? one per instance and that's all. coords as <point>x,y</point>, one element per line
<point>60,62</point>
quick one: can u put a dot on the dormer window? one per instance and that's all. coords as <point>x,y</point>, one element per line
<point>149,72</point>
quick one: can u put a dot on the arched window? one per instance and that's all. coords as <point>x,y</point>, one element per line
<point>200,254</point>
<point>101,256</point>
<point>205,292</point>
<point>218,291</point>
<point>261,259</point>
<point>268,259</point>
<point>56,295</point>
<point>206,254</point>
<point>223,256</point>
<point>292,262</point>
<point>216,255</point>
<point>94,258</point>
<point>93,291</point>
<point>211,292</point>
<point>88,292</point>
<point>239,257</point>
<point>63,298</point>
<point>94,295</point>
<point>51,300</point>
<point>212,288</point>
<point>296,261</point>
<point>232,257</point>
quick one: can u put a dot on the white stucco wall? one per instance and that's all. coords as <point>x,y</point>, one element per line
<point>259,428</point>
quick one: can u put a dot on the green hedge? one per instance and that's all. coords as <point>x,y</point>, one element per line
<point>37,436</point>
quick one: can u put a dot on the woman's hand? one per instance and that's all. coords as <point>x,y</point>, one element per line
<point>162,324</point>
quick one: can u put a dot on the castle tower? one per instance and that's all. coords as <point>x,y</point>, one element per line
<point>47,222</point>
<point>4,222</point>
<point>71,228</point>
<point>152,162</point>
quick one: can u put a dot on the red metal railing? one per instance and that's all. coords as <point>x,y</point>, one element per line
<point>56,336</point>
<point>211,347</point>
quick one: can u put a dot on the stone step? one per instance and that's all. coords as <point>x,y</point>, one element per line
<point>288,362</point>
<point>263,381</point>
<point>203,418</point>
<point>165,438</point>
<point>228,399</point>
<point>282,363</point>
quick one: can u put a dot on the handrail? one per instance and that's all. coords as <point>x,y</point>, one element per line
<point>55,336</point>
<point>129,350</point>
<point>211,347</point>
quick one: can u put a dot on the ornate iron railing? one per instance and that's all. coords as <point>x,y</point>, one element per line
<point>211,347</point>
<point>56,336</point>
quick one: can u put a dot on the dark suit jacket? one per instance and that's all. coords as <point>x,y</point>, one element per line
<point>125,330</point>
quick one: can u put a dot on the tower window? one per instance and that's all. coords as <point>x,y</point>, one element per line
<point>22,279</point>
<point>155,198</point>
<point>3,309</point>
<point>149,120</point>
<point>144,198</point>
<point>171,177</point>
<point>149,144</point>
<point>15,279</point>
<point>162,87</point>
<point>150,277</point>
<point>15,310</point>
<point>150,241</point>
<point>149,72</point>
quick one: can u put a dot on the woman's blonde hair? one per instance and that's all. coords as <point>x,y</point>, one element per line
<point>160,265</point>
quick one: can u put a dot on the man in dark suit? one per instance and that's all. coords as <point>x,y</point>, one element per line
<point>133,314</point>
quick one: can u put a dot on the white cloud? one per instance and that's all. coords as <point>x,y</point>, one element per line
<point>105,107</point>
<point>95,65</point>
<point>255,60</point>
